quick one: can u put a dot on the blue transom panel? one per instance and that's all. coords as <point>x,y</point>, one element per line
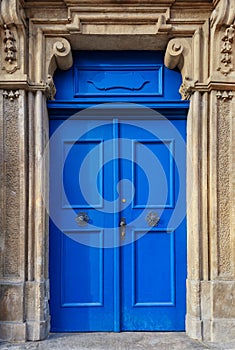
<point>98,77</point>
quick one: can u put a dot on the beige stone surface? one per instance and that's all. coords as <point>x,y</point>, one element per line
<point>37,37</point>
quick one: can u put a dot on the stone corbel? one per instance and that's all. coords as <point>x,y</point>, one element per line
<point>179,54</point>
<point>59,55</point>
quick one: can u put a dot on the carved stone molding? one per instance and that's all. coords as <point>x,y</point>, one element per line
<point>224,158</point>
<point>226,51</point>
<point>50,88</point>
<point>10,50</point>
<point>224,95</point>
<point>10,94</point>
<point>85,18</point>
<point>13,24</point>
<point>224,13</point>
<point>12,12</point>
<point>179,54</point>
<point>187,88</point>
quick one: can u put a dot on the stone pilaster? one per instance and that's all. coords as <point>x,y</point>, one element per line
<point>13,213</point>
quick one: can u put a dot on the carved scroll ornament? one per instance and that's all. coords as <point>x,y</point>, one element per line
<point>59,55</point>
<point>178,54</point>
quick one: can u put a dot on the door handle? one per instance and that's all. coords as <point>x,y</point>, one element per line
<point>152,219</point>
<point>123,228</point>
<point>82,219</point>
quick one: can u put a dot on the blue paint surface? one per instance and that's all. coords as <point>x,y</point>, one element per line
<point>141,285</point>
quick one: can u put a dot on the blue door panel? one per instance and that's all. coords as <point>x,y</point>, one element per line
<point>154,266</point>
<point>82,279</point>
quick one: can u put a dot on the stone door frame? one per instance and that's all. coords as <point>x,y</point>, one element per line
<point>200,42</point>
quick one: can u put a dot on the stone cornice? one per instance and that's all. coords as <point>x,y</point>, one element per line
<point>214,85</point>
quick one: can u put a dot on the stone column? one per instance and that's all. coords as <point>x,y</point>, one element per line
<point>13,172</point>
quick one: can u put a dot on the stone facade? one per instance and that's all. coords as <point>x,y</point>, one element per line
<point>198,37</point>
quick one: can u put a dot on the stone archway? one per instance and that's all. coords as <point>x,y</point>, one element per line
<point>201,44</point>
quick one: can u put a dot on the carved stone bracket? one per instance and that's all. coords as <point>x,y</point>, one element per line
<point>58,55</point>
<point>224,95</point>
<point>187,88</point>
<point>10,94</point>
<point>179,54</point>
<point>50,88</point>
<point>226,51</point>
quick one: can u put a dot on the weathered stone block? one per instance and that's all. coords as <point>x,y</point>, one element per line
<point>194,327</point>
<point>223,330</point>
<point>193,296</point>
<point>38,330</point>
<point>223,299</point>
<point>206,303</point>
<point>11,303</point>
<point>14,332</point>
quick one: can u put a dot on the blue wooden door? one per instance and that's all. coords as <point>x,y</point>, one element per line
<point>105,172</point>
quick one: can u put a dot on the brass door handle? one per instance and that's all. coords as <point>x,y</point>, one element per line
<point>123,228</point>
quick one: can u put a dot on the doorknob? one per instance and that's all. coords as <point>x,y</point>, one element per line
<point>123,228</point>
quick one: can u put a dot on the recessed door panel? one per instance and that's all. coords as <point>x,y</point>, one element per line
<point>148,287</point>
<point>82,266</point>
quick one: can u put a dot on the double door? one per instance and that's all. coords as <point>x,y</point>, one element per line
<point>117,228</point>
